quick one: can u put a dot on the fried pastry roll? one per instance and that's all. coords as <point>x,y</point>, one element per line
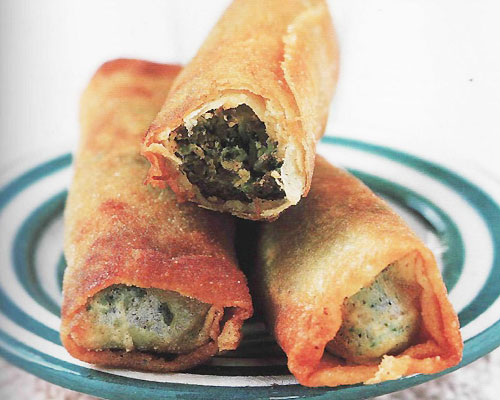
<point>351,294</point>
<point>239,128</point>
<point>150,284</point>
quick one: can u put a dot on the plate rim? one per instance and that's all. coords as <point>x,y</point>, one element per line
<point>481,344</point>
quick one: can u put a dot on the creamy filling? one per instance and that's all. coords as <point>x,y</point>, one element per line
<point>228,155</point>
<point>380,319</point>
<point>132,318</point>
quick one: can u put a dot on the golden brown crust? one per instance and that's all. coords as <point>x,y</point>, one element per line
<point>120,231</point>
<point>283,62</point>
<point>326,249</point>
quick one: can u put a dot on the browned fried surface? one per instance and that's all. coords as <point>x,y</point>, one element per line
<point>326,249</point>
<point>120,231</point>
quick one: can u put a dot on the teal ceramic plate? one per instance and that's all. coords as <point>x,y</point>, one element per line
<point>456,213</point>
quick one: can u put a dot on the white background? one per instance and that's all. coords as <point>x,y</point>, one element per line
<point>418,75</point>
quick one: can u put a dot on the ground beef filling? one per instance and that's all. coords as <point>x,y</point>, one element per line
<point>229,156</point>
<point>380,319</point>
<point>132,318</point>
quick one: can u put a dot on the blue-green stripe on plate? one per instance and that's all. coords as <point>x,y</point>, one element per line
<point>24,249</point>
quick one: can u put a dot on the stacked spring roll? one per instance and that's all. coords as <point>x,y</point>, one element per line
<point>239,128</point>
<point>150,284</point>
<point>350,293</point>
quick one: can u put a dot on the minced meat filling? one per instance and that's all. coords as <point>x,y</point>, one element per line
<point>228,155</point>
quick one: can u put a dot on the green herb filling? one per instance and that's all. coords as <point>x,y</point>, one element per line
<point>228,155</point>
<point>129,317</point>
<point>379,319</point>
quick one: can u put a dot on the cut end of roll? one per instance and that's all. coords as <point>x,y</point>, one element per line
<point>150,329</point>
<point>130,318</point>
<point>390,328</point>
<point>226,156</point>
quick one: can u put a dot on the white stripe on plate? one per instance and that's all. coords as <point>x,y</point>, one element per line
<point>483,322</point>
<point>58,352</point>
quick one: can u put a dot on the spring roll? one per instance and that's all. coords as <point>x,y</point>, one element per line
<point>239,128</point>
<point>351,294</point>
<point>150,284</point>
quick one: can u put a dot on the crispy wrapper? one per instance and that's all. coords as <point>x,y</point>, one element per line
<point>324,250</point>
<point>279,59</point>
<point>120,231</point>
